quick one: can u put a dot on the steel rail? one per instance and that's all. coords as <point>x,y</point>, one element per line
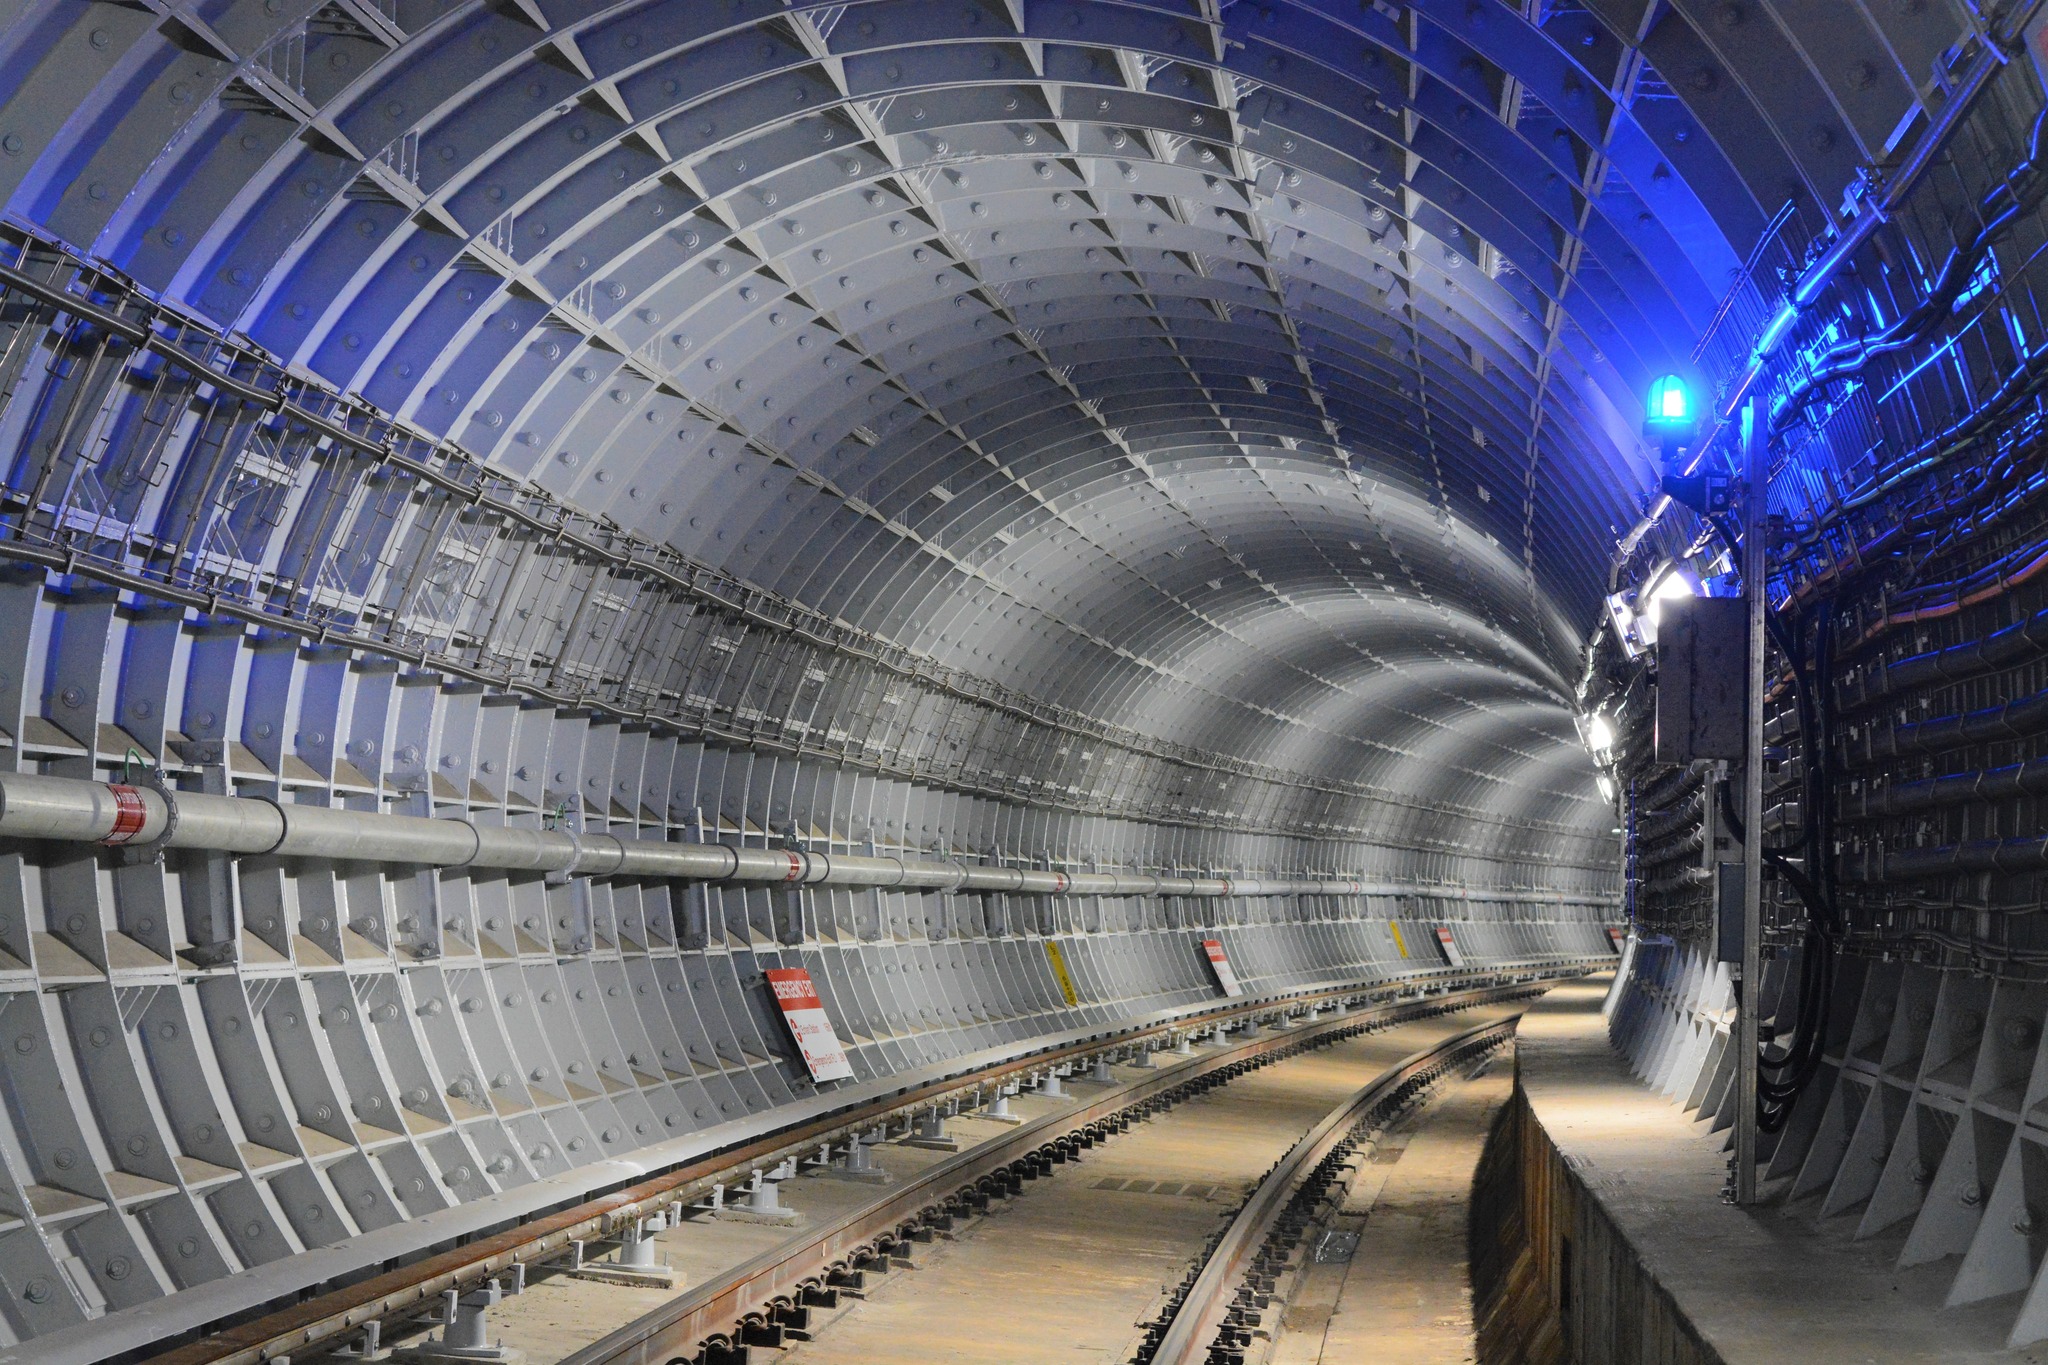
<point>719,1307</point>
<point>325,1319</point>
<point>1200,1316</point>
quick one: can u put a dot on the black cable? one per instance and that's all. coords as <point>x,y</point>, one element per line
<point>1821,762</point>
<point>1783,1076</point>
<point>1776,1098</point>
<point>2020,192</point>
<point>1735,823</point>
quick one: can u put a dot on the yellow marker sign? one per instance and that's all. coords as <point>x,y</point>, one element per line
<point>1058,959</point>
<point>1399,943</point>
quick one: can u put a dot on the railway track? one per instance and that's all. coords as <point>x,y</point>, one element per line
<point>758,1302</point>
<point>1209,1321</point>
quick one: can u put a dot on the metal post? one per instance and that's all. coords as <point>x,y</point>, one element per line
<point>1756,519</point>
<point>931,1132</point>
<point>636,1248</point>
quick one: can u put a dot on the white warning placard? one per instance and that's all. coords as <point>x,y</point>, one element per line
<point>1219,962</point>
<point>1452,953</point>
<point>808,1023</point>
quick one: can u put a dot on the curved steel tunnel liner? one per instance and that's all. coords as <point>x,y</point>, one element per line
<point>1156,440</point>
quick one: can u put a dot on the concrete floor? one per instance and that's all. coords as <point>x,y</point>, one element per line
<point>1405,1296</point>
<point>1068,1271</point>
<point>1763,1284</point>
<point>558,1315</point>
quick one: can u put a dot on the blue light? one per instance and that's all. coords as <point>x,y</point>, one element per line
<point>1670,408</point>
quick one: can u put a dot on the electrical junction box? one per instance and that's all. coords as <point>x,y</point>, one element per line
<point>1702,672</point>
<point>1728,917</point>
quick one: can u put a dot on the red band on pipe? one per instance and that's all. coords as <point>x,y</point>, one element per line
<point>796,867</point>
<point>129,814</point>
<point>1063,881</point>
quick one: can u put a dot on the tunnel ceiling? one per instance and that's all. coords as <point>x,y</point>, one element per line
<point>1255,380</point>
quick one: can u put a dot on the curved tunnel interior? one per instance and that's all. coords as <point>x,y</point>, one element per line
<point>1194,444</point>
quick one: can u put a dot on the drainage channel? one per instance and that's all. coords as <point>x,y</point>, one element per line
<point>854,1233</point>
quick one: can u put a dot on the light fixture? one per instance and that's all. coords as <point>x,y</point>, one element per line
<point>1672,581</point>
<point>1599,734</point>
<point>1621,615</point>
<point>1606,785</point>
<point>1669,415</point>
<point>1634,615</point>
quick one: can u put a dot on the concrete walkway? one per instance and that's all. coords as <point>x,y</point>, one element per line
<point>1762,1286</point>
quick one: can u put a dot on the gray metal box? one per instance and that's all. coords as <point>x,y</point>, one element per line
<point>1702,665</point>
<point>1728,917</point>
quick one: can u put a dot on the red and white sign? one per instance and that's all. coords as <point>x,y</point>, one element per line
<point>1617,937</point>
<point>808,1023</point>
<point>1452,953</point>
<point>1219,962</point>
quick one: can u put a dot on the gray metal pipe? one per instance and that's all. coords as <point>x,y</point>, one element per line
<point>72,809</point>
